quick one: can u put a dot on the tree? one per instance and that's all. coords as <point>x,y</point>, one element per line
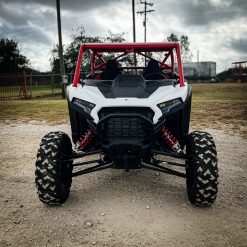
<point>173,38</point>
<point>118,38</point>
<point>71,51</point>
<point>55,60</point>
<point>11,59</point>
<point>115,37</point>
<point>185,50</point>
<point>185,46</point>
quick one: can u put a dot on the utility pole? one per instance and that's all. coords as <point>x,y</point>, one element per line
<point>62,70</point>
<point>145,11</point>
<point>134,21</point>
<point>134,28</point>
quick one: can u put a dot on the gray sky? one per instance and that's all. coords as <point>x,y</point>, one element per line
<point>217,28</point>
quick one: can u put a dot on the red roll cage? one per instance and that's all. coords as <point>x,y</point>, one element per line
<point>171,50</point>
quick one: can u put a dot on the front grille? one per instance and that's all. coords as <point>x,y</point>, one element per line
<point>125,126</point>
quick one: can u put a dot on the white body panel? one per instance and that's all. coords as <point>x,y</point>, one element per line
<point>92,94</point>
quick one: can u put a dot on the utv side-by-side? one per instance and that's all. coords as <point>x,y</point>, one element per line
<point>133,111</point>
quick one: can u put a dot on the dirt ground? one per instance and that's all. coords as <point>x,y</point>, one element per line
<point>114,208</point>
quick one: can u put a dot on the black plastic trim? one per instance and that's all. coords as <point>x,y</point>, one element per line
<point>131,86</point>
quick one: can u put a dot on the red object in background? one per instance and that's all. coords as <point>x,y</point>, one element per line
<point>170,49</point>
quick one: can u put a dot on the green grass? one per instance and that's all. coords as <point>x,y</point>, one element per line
<point>40,90</point>
<point>219,91</point>
<point>43,90</point>
<point>219,106</point>
<point>49,110</point>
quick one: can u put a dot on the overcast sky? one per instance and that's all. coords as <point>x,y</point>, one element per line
<point>217,28</point>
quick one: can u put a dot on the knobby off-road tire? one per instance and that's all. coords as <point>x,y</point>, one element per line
<point>202,170</point>
<point>53,176</point>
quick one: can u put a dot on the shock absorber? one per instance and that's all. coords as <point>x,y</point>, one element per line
<point>170,140</point>
<point>83,142</point>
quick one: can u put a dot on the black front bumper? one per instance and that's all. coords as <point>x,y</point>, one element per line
<point>126,135</point>
<point>125,138</point>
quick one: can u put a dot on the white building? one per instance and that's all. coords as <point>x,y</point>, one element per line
<point>200,69</point>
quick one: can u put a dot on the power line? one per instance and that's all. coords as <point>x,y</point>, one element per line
<point>144,12</point>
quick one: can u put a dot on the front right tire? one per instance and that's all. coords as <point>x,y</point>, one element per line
<point>201,169</point>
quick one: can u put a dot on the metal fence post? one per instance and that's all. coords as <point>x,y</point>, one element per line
<point>31,84</point>
<point>52,83</point>
<point>25,84</point>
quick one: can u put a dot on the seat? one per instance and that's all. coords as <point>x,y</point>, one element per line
<point>153,71</point>
<point>111,70</point>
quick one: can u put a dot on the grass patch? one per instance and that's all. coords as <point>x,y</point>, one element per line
<point>45,90</point>
<point>228,116</point>
<point>219,106</point>
<point>219,91</point>
<point>49,110</point>
<point>40,90</point>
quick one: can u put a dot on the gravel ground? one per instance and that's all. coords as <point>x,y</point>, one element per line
<point>114,208</point>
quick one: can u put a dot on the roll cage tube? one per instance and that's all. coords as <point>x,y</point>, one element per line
<point>138,48</point>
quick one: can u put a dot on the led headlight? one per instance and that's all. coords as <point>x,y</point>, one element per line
<point>87,106</point>
<point>170,103</point>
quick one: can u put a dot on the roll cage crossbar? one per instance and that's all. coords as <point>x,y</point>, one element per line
<point>171,50</point>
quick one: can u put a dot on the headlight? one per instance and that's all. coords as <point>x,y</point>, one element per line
<point>87,106</point>
<point>171,103</point>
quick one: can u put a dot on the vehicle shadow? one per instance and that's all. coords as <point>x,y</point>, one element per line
<point>135,184</point>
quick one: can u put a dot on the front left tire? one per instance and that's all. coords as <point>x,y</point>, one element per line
<point>53,175</point>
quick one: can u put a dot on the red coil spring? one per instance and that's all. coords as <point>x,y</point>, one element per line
<point>170,140</point>
<point>83,142</point>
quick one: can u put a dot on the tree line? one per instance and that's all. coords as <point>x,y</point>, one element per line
<point>11,59</point>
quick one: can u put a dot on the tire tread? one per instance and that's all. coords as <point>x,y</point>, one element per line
<point>52,175</point>
<point>202,170</point>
